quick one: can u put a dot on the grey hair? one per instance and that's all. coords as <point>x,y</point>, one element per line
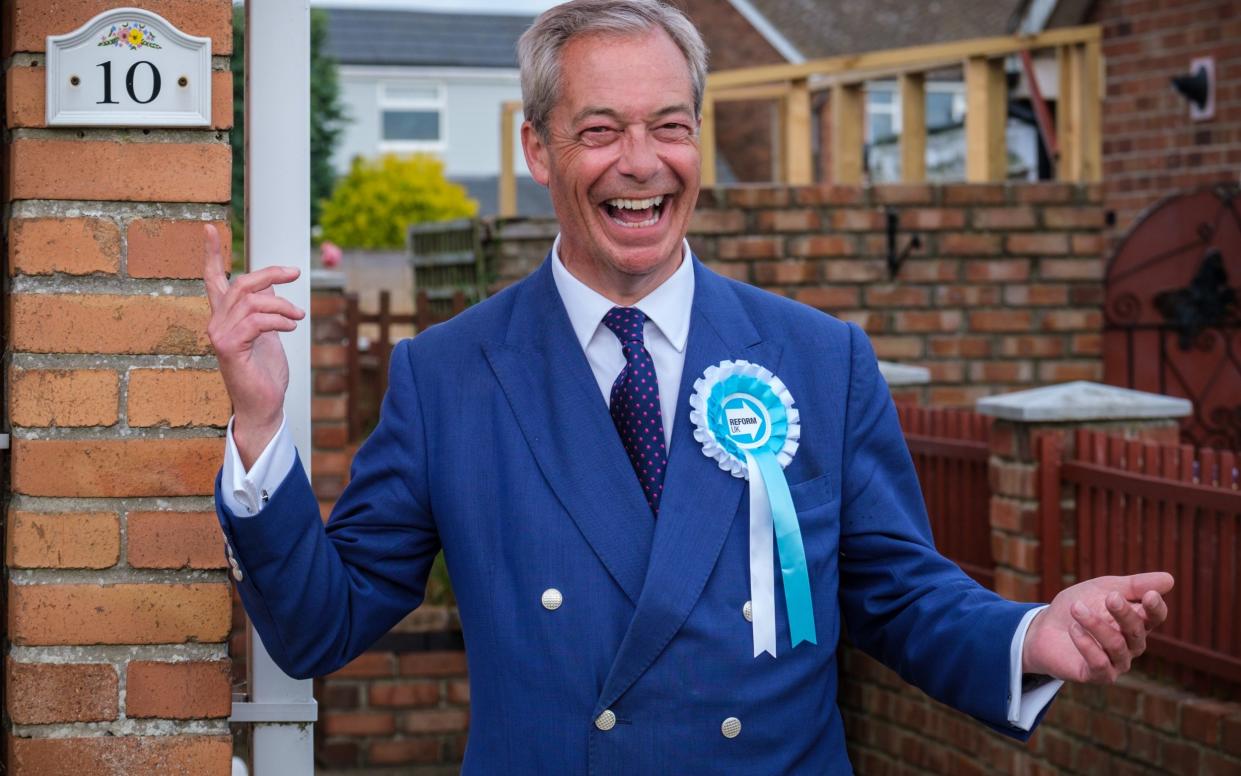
<point>538,50</point>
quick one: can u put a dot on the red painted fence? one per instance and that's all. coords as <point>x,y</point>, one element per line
<point>1141,506</point>
<point>950,451</point>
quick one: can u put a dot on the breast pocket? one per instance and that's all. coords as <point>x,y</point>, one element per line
<point>818,516</point>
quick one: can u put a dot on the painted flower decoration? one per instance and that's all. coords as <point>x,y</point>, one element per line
<point>130,35</point>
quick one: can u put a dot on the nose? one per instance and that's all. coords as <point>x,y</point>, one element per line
<point>638,158</point>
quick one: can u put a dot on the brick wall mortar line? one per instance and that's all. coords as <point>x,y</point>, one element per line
<point>118,655</point>
<point>114,433</point>
<point>24,59</point>
<point>106,285</point>
<point>123,727</point>
<point>59,504</point>
<point>203,136</point>
<point>100,208</point>
<point>109,361</point>
<point>116,575</point>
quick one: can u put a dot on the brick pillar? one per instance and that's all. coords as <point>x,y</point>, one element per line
<point>117,600</point>
<point>1022,419</point>
<point>329,358</point>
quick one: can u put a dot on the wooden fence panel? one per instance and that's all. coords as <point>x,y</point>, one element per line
<point>1142,506</point>
<point>950,449</point>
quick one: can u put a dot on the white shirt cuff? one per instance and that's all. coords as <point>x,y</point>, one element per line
<point>246,492</point>
<point>1024,707</point>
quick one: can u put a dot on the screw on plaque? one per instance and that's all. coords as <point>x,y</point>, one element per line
<point>183,81</point>
<point>74,80</point>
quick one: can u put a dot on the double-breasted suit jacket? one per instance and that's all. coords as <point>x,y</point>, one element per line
<point>496,444</point>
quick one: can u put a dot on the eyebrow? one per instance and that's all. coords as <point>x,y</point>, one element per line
<point>612,114</point>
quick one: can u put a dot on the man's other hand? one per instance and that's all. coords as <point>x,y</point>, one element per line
<point>245,316</point>
<point>1093,630</point>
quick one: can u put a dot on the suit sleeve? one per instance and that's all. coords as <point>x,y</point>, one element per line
<point>903,602</point>
<point>317,595</point>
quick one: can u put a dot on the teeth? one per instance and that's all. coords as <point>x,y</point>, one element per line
<point>636,204</point>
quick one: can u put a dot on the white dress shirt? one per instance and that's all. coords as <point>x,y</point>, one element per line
<point>666,333</point>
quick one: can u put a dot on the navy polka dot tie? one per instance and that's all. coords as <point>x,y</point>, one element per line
<point>635,404</point>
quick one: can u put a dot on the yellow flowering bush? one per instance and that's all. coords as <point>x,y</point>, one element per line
<point>374,203</point>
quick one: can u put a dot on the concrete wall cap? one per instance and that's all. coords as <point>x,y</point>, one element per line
<point>326,279</point>
<point>904,374</point>
<point>1082,400</point>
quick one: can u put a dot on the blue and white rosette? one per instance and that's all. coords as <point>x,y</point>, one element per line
<point>744,418</point>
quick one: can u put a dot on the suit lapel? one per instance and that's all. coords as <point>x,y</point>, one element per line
<point>700,501</point>
<point>562,414</point>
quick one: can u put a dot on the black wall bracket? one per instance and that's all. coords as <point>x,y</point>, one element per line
<point>896,257</point>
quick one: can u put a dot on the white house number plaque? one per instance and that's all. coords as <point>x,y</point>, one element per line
<point>128,68</point>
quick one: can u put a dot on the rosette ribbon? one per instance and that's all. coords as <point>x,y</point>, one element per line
<point>744,419</point>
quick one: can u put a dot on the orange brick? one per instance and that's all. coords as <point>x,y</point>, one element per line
<point>433,664</point>
<point>161,248</point>
<point>112,755</point>
<point>358,723</point>
<point>788,221</point>
<point>163,172</point>
<point>64,397</point>
<point>404,693</point>
<point>1071,269</point>
<point>932,219</point>
<point>68,323</point>
<point>829,297</point>
<point>927,320</point>
<point>222,99</point>
<point>328,355</point>
<point>822,245</point>
<point>436,721</point>
<point>116,468</point>
<point>898,348</point>
<point>904,193</point>
<point>34,20</point>
<point>1038,243</point>
<point>1000,320</point>
<point>975,193</point>
<point>1004,270</point>
<point>47,615</point>
<point>173,540</point>
<point>970,244</point>
<point>1005,218</point>
<point>74,246</point>
<point>403,751</point>
<point>1065,371</point>
<point>43,693</point>
<point>89,540</point>
<point>752,196</point>
<point>24,101</point>
<point>177,397</point>
<point>178,690</point>
<point>731,248</point>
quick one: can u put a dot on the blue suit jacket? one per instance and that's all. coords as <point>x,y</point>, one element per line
<point>496,443</point>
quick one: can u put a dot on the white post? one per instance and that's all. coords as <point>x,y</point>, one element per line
<point>282,709</point>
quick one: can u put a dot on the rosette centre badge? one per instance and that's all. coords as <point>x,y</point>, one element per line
<point>744,419</point>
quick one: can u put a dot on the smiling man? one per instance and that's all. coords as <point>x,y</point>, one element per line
<point>616,455</point>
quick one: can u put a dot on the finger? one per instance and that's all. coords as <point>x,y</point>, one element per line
<point>214,277</point>
<point>1095,664</point>
<point>1104,631</point>
<point>260,323</point>
<point>1130,623</point>
<point>1155,609</point>
<point>1135,586</point>
<point>263,303</point>
<point>257,281</point>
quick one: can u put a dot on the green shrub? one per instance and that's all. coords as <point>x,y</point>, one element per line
<point>379,198</point>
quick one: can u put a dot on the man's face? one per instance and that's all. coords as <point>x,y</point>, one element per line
<point>621,160</point>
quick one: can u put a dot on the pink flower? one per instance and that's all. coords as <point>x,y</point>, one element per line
<point>331,254</point>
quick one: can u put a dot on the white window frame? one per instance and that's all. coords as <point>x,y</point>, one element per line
<point>954,88</point>
<point>438,104</point>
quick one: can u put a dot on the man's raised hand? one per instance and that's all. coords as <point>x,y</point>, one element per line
<point>246,315</point>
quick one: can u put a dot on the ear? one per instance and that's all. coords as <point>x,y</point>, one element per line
<point>536,154</point>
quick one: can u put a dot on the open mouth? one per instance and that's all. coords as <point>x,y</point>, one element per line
<point>635,213</point>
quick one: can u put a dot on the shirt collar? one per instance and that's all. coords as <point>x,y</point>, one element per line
<point>668,306</point>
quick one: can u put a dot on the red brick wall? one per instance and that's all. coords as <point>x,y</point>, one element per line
<point>1151,148</point>
<point>1004,293</point>
<point>117,600</point>
<point>1133,727</point>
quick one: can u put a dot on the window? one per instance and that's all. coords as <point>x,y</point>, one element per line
<point>411,116</point>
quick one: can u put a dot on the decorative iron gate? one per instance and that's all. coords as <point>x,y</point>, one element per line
<point>1172,315</point>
